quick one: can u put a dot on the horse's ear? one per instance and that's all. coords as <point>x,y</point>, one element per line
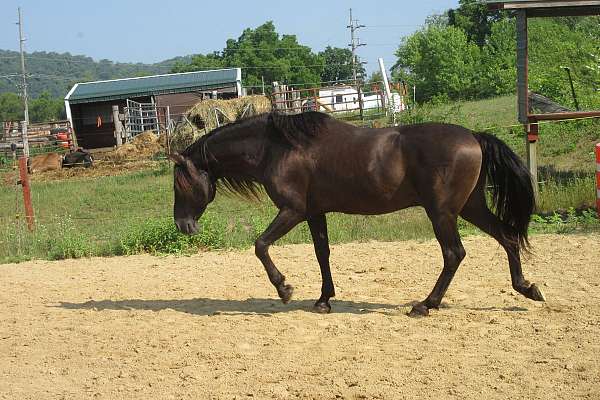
<point>177,158</point>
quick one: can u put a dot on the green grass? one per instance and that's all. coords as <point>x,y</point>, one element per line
<point>132,213</point>
<point>563,146</point>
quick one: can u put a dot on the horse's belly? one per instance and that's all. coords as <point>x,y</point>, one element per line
<point>351,199</point>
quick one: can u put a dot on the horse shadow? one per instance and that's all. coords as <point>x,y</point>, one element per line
<point>251,306</point>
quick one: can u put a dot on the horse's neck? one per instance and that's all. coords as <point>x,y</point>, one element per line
<point>235,156</point>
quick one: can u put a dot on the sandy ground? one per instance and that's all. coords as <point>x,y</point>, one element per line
<point>210,326</point>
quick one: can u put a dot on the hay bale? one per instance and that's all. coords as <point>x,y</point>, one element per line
<point>231,110</point>
<point>142,147</point>
<point>203,115</point>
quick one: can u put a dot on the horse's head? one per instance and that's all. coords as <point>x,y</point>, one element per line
<point>193,191</point>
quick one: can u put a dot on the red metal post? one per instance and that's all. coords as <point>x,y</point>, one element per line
<point>598,179</point>
<point>26,192</point>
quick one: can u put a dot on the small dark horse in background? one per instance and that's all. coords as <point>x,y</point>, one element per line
<point>311,164</point>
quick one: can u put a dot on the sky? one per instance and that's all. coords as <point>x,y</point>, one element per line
<point>150,31</point>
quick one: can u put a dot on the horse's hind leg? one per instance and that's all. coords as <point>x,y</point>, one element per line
<point>282,224</point>
<point>477,213</point>
<point>446,231</point>
<point>318,230</point>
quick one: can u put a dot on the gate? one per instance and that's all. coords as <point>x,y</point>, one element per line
<point>141,117</point>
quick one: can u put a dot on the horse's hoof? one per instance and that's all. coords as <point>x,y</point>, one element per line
<point>534,293</point>
<point>419,310</point>
<point>322,307</point>
<point>285,293</point>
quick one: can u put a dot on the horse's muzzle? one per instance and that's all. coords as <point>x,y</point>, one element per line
<point>187,226</point>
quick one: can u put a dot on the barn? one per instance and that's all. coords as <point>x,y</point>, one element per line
<point>144,103</point>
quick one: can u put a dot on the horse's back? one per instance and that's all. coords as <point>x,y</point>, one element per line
<point>382,170</point>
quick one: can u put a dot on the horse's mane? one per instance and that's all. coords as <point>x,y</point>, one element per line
<point>299,129</point>
<point>295,130</point>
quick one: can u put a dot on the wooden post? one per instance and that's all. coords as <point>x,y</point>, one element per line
<point>168,130</point>
<point>598,179</point>
<point>532,138</point>
<point>522,67</point>
<point>276,104</point>
<point>118,126</point>
<point>296,102</point>
<point>25,138</point>
<point>26,193</point>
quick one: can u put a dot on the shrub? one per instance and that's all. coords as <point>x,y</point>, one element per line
<point>162,236</point>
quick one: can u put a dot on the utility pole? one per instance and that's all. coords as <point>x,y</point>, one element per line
<point>354,44</point>
<point>23,88</point>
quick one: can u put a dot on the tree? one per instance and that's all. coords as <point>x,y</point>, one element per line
<point>440,61</point>
<point>200,62</point>
<point>338,65</point>
<point>45,109</point>
<point>475,19</point>
<point>11,107</point>
<point>498,69</point>
<point>263,54</point>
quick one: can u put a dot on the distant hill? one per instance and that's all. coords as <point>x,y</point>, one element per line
<point>56,73</point>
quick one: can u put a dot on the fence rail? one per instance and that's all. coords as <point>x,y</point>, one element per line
<point>42,137</point>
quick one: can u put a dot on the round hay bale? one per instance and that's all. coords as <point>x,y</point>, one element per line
<point>204,117</point>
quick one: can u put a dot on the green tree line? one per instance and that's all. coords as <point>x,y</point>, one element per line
<point>470,53</point>
<point>41,109</point>
<point>266,56</point>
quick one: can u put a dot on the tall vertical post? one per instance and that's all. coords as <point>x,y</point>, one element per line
<point>598,179</point>
<point>168,130</point>
<point>532,131</point>
<point>26,193</point>
<point>388,92</point>
<point>354,44</point>
<point>522,67</point>
<point>23,89</point>
<point>118,126</point>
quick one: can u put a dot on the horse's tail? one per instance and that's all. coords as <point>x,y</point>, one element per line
<point>511,186</point>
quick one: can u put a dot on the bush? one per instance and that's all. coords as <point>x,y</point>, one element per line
<point>162,236</point>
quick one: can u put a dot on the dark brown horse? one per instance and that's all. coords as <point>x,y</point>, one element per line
<point>311,164</point>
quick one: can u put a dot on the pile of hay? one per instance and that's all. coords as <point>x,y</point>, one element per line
<point>142,147</point>
<point>202,115</point>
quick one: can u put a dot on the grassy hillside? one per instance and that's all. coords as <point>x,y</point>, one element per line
<point>57,72</point>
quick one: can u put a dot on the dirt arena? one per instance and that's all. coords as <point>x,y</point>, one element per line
<point>210,326</point>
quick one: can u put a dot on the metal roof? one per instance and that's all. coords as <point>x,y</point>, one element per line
<point>152,85</point>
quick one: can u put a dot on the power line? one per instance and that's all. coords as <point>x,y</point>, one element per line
<point>24,90</point>
<point>393,26</point>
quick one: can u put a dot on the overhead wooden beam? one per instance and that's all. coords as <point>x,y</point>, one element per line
<point>516,5</point>
<point>563,11</point>
<point>563,115</point>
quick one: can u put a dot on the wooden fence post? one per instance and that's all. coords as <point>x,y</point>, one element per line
<point>25,138</point>
<point>118,126</point>
<point>26,193</point>
<point>532,131</point>
<point>598,179</point>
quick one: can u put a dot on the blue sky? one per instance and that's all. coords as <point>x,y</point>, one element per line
<point>150,31</point>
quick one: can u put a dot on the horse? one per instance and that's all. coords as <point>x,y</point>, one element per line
<point>311,164</point>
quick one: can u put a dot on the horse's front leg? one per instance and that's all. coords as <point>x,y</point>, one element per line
<point>285,220</point>
<point>318,230</point>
